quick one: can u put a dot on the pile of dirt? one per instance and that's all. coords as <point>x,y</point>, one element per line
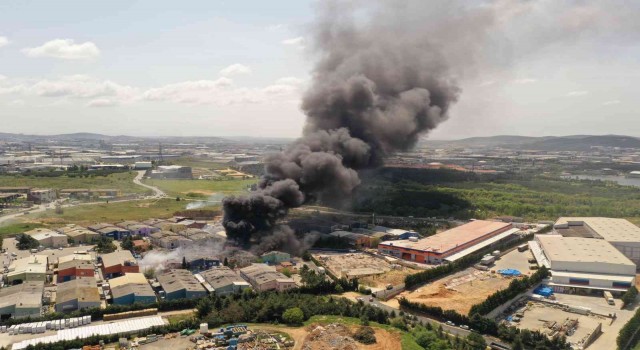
<point>329,337</point>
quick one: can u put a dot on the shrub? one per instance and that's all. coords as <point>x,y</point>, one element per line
<point>293,316</point>
<point>365,335</point>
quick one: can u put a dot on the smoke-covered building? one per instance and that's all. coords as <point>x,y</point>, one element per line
<point>171,172</point>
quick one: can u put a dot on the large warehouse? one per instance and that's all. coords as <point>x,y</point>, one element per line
<point>621,233</point>
<point>584,263</point>
<point>453,243</point>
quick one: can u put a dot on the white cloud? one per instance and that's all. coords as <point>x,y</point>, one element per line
<point>577,93</point>
<point>299,41</point>
<point>16,102</point>
<point>276,27</point>
<point>4,41</point>
<point>612,102</point>
<point>525,81</point>
<point>101,102</point>
<point>218,91</point>
<point>290,81</point>
<point>487,83</point>
<point>3,77</point>
<point>235,69</point>
<point>64,49</point>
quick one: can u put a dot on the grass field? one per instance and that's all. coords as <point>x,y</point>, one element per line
<point>201,187</point>
<point>112,212</point>
<point>120,181</point>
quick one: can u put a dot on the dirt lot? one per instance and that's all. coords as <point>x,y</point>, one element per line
<point>458,292</point>
<point>514,260</point>
<point>338,336</point>
<point>394,277</point>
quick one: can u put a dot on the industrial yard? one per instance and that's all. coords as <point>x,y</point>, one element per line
<point>372,271</point>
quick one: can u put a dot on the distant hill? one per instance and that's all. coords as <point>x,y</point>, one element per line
<point>543,143</point>
<point>86,136</point>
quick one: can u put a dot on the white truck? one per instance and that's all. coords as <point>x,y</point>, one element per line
<point>609,297</point>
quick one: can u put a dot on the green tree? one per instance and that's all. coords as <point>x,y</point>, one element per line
<point>105,245</point>
<point>293,316</point>
<point>27,242</point>
<point>630,296</point>
<point>127,243</point>
<point>476,341</point>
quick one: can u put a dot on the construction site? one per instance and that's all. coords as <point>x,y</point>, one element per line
<point>336,336</point>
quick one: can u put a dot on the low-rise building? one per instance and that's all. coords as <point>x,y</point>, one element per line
<point>169,240</point>
<point>22,300</point>
<point>171,172</point>
<point>73,269</point>
<point>138,229</point>
<point>42,195</point>
<point>264,277</point>
<point>394,233</point>
<point>222,281</point>
<point>31,268</point>
<point>180,284</point>
<point>78,234</point>
<point>48,238</point>
<point>108,230</point>
<point>80,293</point>
<point>357,240</point>
<point>131,288</point>
<point>118,263</point>
<point>275,257</point>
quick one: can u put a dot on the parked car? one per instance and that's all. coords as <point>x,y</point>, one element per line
<point>449,323</point>
<point>464,326</point>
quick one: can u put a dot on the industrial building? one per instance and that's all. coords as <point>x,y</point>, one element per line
<point>451,244</point>
<point>48,238</point>
<point>137,229</point>
<point>118,263</point>
<point>22,300</point>
<point>78,234</point>
<point>171,172</point>
<point>131,288</point>
<point>222,281</point>
<point>583,263</point>
<point>180,284</point>
<point>264,277</point>
<point>275,257</point>
<point>621,233</point>
<point>72,269</point>
<point>41,195</point>
<point>77,294</point>
<point>31,268</point>
<point>109,230</point>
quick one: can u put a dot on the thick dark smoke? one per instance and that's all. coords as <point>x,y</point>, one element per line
<point>379,84</point>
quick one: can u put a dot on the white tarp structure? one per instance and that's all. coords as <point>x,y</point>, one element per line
<point>116,327</point>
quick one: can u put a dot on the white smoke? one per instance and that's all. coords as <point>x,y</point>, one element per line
<point>215,198</point>
<point>159,260</point>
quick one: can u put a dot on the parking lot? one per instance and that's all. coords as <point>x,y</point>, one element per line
<point>514,260</point>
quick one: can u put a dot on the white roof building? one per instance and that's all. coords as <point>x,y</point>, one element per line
<point>577,262</point>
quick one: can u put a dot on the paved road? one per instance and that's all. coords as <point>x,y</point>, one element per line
<point>435,323</point>
<point>157,193</point>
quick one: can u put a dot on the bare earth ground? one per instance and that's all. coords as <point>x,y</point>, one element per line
<point>338,337</point>
<point>394,277</point>
<point>466,288</point>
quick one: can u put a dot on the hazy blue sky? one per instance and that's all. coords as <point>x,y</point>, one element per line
<point>239,68</point>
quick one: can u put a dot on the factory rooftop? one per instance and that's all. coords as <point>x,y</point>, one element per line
<point>560,249</point>
<point>175,280</point>
<point>83,289</point>
<point>26,294</point>
<point>609,229</point>
<point>453,238</point>
<point>140,290</point>
<point>128,278</point>
<point>30,264</point>
<point>221,277</point>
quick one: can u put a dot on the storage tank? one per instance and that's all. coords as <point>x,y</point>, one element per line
<point>204,327</point>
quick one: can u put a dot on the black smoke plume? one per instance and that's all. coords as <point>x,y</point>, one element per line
<point>377,87</point>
